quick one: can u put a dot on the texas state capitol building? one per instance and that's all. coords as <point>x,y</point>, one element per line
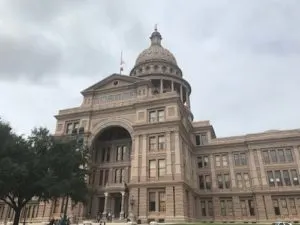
<point>149,152</point>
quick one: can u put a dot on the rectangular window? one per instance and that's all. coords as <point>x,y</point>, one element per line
<point>271,178</point>
<point>266,157</point>
<point>197,138</point>
<point>224,160</point>
<point>227,181</point>
<point>203,208</point>
<point>273,156</point>
<point>281,155</point>
<point>162,201</point>
<point>284,207</point>
<point>210,208</point>
<point>161,167</point>
<point>295,177</point>
<point>243,207</point>
<point>106,177</point>
<point>69,128</point>
<point>201,182</point>
<point>119,153</point>
<point>289,155</point>
<point>152,117</point>
<point>152,144</point>
<point>152,168</point>
<point>152,202</point>
<point>240,159</point>
<point>278,178</point>
<point>292,206</point>
<point>161,142</point>
<point>223,208</point>
<point>220,181</point>
<point>101,178</point>
<point>108,154</point>
<point>207,182</point>
<point>251,208</point>
<point>218,161</point>
<point>246,180</point>
<point>161,115</point>
<point>124,152</point>
<point>239,180</point>
<point>286,177</point>
<point>203,139</point>
<point>202,161</point>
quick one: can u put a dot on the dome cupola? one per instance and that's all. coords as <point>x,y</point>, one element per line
<point>155,59</point>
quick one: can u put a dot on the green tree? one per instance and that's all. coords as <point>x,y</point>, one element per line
<point>40,166</point>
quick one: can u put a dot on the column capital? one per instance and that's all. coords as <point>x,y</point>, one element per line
<point>105,194</point>
<point>122,193</point>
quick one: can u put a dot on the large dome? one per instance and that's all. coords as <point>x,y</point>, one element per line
<point>155,52</point>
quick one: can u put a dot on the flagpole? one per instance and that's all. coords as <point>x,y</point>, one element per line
<point>121,63</point>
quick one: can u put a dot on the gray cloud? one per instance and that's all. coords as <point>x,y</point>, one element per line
<point>241,57</point>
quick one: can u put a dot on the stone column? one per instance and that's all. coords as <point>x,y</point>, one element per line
<point>161,86</point>
<point>252,167</point>
<point>172,85</point>
<point>181,93</point>
<point>262,169</point>
<point>232,174</point>
<point>188,99</point>
<point>122,205</point>
<point>105,205</point>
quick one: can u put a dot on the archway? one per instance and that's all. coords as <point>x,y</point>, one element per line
<point>111,160</point>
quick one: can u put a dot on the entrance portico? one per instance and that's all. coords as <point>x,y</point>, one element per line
<point>115,203</point>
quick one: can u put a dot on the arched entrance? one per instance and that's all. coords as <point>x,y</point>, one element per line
<point>111,150</point>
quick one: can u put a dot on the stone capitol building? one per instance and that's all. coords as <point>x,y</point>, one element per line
<point>151,158</point>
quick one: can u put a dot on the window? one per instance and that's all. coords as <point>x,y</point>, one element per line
<point>278,156</point>
<point>72,127</point>
<point>162,201</point>
<point>271,178</point>
<point>286,177</point>
<point>105,157</point>
<point>119,175</point>
<point>285,205</point>
<point>157,200</point>
<point>156,116</point>
<point>152,144</point>
<point>203,208</point>
<point>281,155</point>
<point>239,180</point>
<point>224,160</point>
<point>210,208</point>
<point>106,175</point>
<point>201,139</point>
<point>243,208</point>
<point>289,155</point>
<point>221,160</point>
<point>161,142</point>
<point>157,143</point>
<point>152,168</point>
<point>204,182</point>
<point>202,161</point>
<point>295,177</point>
<point>218,161</point>
<point>121,153</point>
<point>278,178</point>
<point>223,181</point>
<point>266,157</point>
<point>246,180</point>
<point>226,207</point>
<point>1,211</point>
<point>152,202</point>
<point>240,159</point>
<point>101,178</point>
<point>161,167</point>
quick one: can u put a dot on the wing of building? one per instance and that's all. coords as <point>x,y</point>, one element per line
<point>150,158</point>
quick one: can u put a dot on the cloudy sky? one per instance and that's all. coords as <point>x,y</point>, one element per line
<point>242,58</point>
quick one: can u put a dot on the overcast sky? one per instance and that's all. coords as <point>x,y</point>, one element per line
<point>242,58</point>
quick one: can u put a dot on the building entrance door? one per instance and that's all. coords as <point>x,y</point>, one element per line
<point>117,208</point>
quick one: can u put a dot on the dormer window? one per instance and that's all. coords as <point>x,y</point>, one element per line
<point>201,139</point>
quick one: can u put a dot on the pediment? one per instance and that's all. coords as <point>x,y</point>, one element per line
<point>112,81</point>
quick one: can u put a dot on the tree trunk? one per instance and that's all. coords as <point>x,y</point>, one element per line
<point>17,216</point>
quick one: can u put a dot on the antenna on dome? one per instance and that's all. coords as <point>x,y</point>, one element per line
<point>155,27</point>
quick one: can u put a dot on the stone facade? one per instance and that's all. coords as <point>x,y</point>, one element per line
<point>149,157</point>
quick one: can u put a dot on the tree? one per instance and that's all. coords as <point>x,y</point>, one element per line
<point>40,166</point>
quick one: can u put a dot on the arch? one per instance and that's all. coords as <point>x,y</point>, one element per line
<point>101,126</point>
